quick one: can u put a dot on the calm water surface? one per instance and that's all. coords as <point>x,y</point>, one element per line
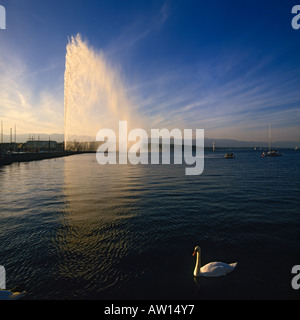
<point>72,229</point>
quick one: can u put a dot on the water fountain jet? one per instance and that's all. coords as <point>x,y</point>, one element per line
<point>94,98</point>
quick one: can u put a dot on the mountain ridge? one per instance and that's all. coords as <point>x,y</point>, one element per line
<point>208,142</point>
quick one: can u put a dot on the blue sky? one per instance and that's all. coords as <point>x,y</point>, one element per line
<point>229,67</point>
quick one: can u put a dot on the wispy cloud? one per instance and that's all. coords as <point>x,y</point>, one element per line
<point>138,30</point>
<point>23,102</point>
<point>227,99</point>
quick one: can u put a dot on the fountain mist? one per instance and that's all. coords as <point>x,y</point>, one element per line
<point>95,96</point>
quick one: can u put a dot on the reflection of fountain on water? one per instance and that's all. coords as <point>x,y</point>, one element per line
<point>94,237</point>
<point>95,97</point>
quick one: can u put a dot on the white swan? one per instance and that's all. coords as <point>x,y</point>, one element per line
<point>212,269</point>
<point>9,295</point>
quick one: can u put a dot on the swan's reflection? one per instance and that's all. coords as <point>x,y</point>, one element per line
<point>197,282</point>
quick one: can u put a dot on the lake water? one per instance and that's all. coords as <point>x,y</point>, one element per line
<point>72,229</point>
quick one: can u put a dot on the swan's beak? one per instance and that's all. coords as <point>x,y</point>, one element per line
<point>194,253</point>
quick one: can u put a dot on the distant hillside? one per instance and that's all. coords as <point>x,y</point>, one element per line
<point>219,143</point>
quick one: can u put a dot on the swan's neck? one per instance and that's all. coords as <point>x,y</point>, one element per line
<point>198,265</point>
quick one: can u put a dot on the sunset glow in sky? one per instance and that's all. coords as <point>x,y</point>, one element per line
<point>229,67</point>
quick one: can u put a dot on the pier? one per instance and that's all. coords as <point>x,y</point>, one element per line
<point>26,157</point>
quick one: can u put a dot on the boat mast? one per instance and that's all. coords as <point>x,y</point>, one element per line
<point>270,137</point>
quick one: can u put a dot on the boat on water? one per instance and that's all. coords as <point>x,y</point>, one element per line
<point>229,155</point>
<point>271,153</point>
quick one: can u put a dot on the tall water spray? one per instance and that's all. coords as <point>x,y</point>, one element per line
<point>95,97</point>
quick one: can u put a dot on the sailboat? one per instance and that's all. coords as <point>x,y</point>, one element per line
<point>271,153</point>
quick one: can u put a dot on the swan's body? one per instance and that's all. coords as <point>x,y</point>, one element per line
<point>9,295</point>
<point>212,269</point>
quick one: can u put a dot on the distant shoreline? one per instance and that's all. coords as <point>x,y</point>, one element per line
<point>28,157</point>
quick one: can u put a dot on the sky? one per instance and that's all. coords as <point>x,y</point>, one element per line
<point>228,67</point>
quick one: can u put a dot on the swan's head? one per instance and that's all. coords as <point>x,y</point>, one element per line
<point>197,249</point>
